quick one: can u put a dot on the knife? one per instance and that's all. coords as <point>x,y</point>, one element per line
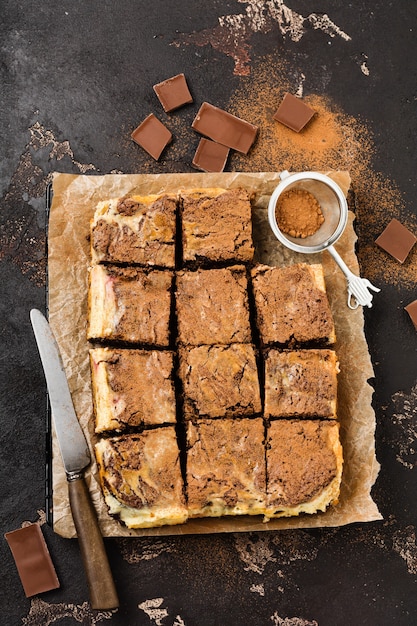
<point>76,457</point>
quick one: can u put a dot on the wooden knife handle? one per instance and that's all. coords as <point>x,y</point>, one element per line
<point>103,593</point>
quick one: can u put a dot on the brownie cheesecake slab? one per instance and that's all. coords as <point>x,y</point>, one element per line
<point>136,230</point>
<point>304,466</point>
<point>225,467</point>
<point>129,304</point>
<point>216,226</point>
<point>132,388</point>
<point>301,383</point>
<point>141,479</point>
<point>219,381</point>
<point>212,306</point>
<point>292,305</point>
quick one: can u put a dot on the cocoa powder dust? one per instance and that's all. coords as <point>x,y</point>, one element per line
<point>332,140</point>
<point>298,213</point>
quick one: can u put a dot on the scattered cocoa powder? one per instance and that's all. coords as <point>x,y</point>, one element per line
<point>298,213</point>
<point>333,140</point>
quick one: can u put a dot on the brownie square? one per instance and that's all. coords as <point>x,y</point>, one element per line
<point>303,465</point>
<point>291,305</point>
<point>301,383</point>
<point>129,304</point>
<point>216,226</point>
<point>212,306</point>
<point>132,388</point>
<point>136,230</point>
<point>226,467</point>
<point>227,129</point>
<point>219,381</point>
<point>141,478</point>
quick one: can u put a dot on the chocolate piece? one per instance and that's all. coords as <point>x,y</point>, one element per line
<point>33,561</point>
<point>173,93</point>
<point>412,312</point>
<point>224,128</point>
<point>152,135</point>
<point>294,113</point>
<point>210,156</point>
<point>397,240</point>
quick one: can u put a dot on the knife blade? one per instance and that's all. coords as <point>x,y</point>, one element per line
<point>76,457</point>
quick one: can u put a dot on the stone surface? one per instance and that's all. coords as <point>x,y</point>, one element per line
<point>76,80</point>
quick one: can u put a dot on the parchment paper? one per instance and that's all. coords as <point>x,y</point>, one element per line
<point>74,201</point>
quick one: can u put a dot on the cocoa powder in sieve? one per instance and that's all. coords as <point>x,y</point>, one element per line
<point>298,213</point>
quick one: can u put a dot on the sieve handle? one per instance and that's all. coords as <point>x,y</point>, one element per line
<point>359,289</point>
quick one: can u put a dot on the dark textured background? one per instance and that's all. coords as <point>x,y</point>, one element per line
<point>76,78</point>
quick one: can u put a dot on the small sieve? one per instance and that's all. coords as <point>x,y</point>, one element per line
<point>334,207</point>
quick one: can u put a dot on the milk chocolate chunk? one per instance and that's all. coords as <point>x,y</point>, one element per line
<point>173,93</point>
<point>294,113</point>
<point>32,558</point>
<point>210,156</point>
<point>397,240</point>
<point>412,312</point>
<point>152,135</point>
<point>225,128</point>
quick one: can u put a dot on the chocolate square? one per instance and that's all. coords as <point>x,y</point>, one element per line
<point>412,312</point>
<point>210,156</point>
<point>173,93</point>
<point>294,113</point>
<point>152,135</point>
<point>397,240</point>
<point>33,561</point>
<point>225,128</point>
